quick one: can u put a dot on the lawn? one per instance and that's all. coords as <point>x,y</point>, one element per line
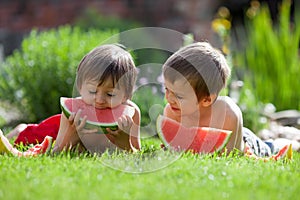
<point>149,174</point>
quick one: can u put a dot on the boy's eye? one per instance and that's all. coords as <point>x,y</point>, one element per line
<point>179,97</point>
<point>92,92</point>
<point>111,94</point>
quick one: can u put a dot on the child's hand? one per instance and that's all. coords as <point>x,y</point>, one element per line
<point>80,123</point>
<point>120,137</point>
<point>125,123</point>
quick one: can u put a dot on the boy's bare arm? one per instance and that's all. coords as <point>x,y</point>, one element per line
<point>135,141</point>
<point>233,122</point>
<point>67,135</point>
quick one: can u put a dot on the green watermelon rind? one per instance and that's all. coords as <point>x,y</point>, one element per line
<point>167,145</point>
<point>96,125</point>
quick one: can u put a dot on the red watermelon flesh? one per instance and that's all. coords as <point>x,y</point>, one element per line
<point>96,118</point>
<point>6,147</point>
<point>37,149</point>
<point>195,139</point>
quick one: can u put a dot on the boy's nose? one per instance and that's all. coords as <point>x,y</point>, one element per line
<point>100,98</point>
<point>170,97</point>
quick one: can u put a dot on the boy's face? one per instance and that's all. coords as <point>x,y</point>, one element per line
<point>102,96</point>
<point>181,97</point>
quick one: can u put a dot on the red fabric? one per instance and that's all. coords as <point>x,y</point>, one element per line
<point>35,133</point>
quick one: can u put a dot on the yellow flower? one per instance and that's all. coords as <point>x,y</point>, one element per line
<point>223,12</point>
<point>253,10</point>
<point>220,25</point>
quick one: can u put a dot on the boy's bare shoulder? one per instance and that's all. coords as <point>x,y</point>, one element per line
<point>228,105</point>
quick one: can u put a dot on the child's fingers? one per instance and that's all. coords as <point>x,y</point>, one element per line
<point>81,123</point>
<point>125,121</point>
<point>129,119</point>
<point>114,133</point>
<point>71,117</point>
<point>77,116</point>
<point>124,124</point>
<point>122,121</point>
<point>80,126</point>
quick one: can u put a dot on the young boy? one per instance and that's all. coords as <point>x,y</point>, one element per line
<point>105,79</point>
<point>193,78</point>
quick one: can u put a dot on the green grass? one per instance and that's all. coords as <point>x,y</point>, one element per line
<point>158,175</point>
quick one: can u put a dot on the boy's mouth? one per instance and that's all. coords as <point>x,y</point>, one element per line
<point>100,107</point>
<point>175,109</point>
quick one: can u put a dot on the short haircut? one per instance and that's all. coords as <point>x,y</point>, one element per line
<point>109,61</point>
<point>203,66</point>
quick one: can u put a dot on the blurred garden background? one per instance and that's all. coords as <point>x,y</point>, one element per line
<point>42,42</point>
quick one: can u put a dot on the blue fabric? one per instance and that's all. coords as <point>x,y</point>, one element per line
<point>258,147</point>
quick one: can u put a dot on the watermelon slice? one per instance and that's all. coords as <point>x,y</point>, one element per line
<point>7,148</point>
<point>96,118</point>
<point>285,153</point>
<point>196,139</point>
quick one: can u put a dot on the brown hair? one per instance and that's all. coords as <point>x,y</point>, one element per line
<point>108,61</point>
<point>203,66</point>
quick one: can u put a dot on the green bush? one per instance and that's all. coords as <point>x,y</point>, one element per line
<point>43,69</point>
<point>271,57</point>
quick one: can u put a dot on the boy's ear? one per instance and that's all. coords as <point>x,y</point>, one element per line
<point>208,100</point>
